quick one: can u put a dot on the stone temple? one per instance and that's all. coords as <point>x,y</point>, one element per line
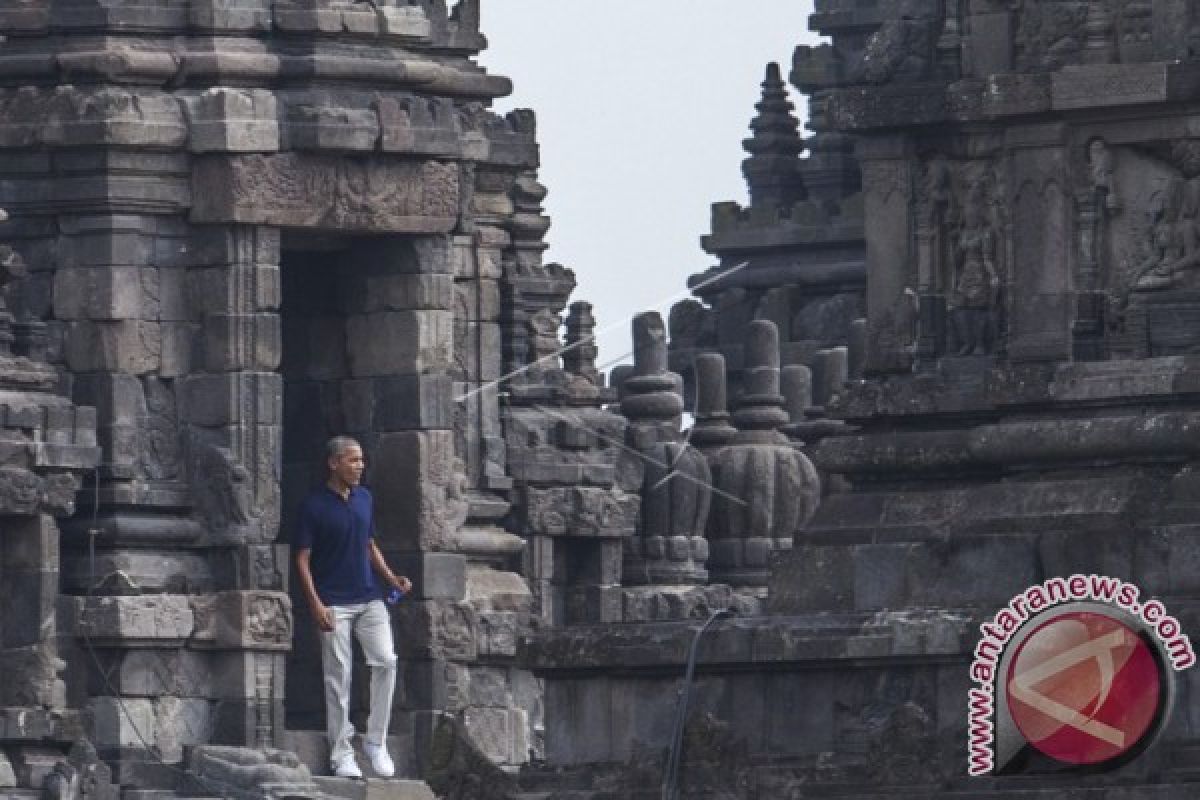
<point>948,350</point>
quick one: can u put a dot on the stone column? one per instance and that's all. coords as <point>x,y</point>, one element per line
<point>669,547</point>
<point>767,487</point>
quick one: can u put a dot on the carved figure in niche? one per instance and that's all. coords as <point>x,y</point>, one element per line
<point>1050,34</point>
<point>1100,166</point>
<point>161,454</point>
<point>268,620</point>
<point>543,341</point>
<point>941,209</point>
<point>223,489</point>
<point>976,283</point>
<point>898,50</point>
<point>1175,238</point>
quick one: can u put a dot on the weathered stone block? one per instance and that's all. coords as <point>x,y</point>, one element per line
<point>435,576</point>
<point>252,287</point>
<point>99,15</point>
<point>381,195</point>
<point>151,618</point>
<point>321,127</point>
<point>33,764</point>
<point>411,473</point>
<point>392,291</point>
<point>21,491</point>
<point>30,544</point>
<point>303,17</point>
<point>8,776</point>
<point>500,734</point>
<point>491,589</point>
<point>243,620</point>
<point>166,723</point>
<point>436,685</point>
<point>131,346</point>
<point>232,121</point>
<point>230,15</point>
<point>579,720</point>
<point>30,601</point>
<point>154,673</point>
<point>231,398</point>
<point>242,342</point>
<point>239,246</point>
<point>409,402</point>
<point>435,629</point>
<point>107,293</point>
<point>400,342</point>
<point>117,398</point>
<point>409,22</point>
<point>581,511</point>
<point>178,346</point>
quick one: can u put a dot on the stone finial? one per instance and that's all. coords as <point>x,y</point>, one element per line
<point>617,377</point>
<point>712,428</point>
<point>650,391</point>
<point>649,344</point>
<point>772,170</point>
<point>761,406</point>
<point>579,357</point>
<point>674,479</point>
<point>796,381</point>
<point>767,488</point>
<point>833,372</point>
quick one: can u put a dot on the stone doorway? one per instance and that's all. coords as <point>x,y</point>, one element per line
<point>360,326</point>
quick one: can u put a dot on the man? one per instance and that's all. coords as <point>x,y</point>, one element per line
<point>336,561</point>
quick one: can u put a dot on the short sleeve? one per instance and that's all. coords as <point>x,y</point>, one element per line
<point>302,537</point>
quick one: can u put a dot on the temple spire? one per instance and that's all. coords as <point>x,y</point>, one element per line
<point>772,170</point>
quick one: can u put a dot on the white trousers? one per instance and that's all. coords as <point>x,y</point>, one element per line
<point>369,622</point>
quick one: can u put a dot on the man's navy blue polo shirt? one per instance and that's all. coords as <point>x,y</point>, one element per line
<point>338,532</point>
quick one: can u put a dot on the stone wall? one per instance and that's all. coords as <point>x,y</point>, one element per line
<point>249,226</point>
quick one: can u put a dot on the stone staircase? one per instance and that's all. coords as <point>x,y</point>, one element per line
<point>375,789</point>
<point>313,751</point>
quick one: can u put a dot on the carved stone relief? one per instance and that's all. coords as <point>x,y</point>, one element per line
<point>960,246</point>
<point>1050,34</point>
<point>325,192</point>
<point>224,491</point>
<point>160,448</point>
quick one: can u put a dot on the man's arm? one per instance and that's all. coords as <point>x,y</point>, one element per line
<point>399,581</point>
<point>322,614</point>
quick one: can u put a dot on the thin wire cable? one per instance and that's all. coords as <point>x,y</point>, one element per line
<point>649,460</point>
<point>670,784</point>
<point>591,337</point>
<point>105,676</point>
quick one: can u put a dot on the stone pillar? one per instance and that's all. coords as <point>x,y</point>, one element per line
<point>669,547</point>
<point>767,487</point>
<point>712,430</point>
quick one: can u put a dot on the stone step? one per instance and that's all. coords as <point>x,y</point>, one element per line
<point>374,789</point>
<point>312,748</point>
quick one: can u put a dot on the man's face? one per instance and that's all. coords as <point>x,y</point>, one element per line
<point>347,466</point>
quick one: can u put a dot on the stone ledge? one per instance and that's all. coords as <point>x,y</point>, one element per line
<point>752,642</point>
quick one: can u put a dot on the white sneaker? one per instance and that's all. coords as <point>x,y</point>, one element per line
<point>381,762</point>
<point>347,767</point>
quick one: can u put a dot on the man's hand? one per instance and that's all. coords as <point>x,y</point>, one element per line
<point>324,617</point>
<point>402,583</point>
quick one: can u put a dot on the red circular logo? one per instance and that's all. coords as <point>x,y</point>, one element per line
<point>1084,688</point>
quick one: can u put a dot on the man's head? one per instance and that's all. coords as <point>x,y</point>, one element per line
<point>344,457</point>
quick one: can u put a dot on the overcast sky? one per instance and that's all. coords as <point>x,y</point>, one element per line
<point>642,106</point>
